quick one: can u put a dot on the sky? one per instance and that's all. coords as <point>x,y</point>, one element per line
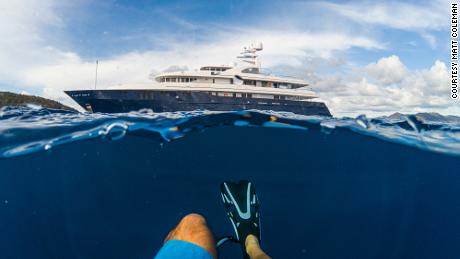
<point>361,57</point>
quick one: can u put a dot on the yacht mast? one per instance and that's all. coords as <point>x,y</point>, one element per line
<point>249,55</point>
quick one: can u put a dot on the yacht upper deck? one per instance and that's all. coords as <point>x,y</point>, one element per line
<point>246,78</point>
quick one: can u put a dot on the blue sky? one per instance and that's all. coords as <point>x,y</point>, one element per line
<point>108,28</point>
<point>393,53</point>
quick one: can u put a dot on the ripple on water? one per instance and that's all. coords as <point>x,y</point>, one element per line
<point>24,130</point>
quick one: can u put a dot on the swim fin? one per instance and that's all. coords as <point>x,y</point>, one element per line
<point>242,207</point>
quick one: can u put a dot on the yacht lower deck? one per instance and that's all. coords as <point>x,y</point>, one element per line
<point>113,101</point>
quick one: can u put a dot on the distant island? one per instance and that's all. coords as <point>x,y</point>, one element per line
<point>12,99</point>
<point>426,116</point>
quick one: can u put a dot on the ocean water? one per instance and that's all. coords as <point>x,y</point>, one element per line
<point>112,185</point>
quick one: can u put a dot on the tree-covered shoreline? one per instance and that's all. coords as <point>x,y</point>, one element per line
<point>12,99</point>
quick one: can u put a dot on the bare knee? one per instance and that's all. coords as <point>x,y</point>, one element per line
<point>193,228</point>
<point>193,219</point>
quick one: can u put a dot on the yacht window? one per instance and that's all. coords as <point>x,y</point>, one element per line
<point>293,98</point>
<point>283,86</point>
<point>173,79</point>
<point>264,83</point>
<point>296,86</point>
<point>249,82</point>
<point>168,79</point>
<point>263,96</point>
<point>251,70</point>
<point>225,94</point>
<point>162,79</point>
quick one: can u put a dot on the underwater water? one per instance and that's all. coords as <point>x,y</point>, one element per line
<point>113,185</point>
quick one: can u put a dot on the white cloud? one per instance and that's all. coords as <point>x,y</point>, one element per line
<point>430,39</point>
<point>393,89</point>
<point>420,18</point>
<point>22,26</point>
<point>416,17</point>
<point>388,70</point>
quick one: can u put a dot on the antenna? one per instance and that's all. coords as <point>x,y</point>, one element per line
<point>95,79</point>
<point>249,55</point>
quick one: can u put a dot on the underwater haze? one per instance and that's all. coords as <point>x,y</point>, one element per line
<point>76,185</point>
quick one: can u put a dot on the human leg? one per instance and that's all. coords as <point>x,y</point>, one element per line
<point>191,231</point>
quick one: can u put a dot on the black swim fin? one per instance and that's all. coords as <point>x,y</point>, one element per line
<point>242,207</point>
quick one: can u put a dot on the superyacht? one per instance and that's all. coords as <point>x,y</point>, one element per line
<point>213,88</point>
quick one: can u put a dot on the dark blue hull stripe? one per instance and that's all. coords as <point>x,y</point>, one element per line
<point>114,101</point>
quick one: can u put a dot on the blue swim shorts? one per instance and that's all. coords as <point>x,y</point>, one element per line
<point>174,249</point>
